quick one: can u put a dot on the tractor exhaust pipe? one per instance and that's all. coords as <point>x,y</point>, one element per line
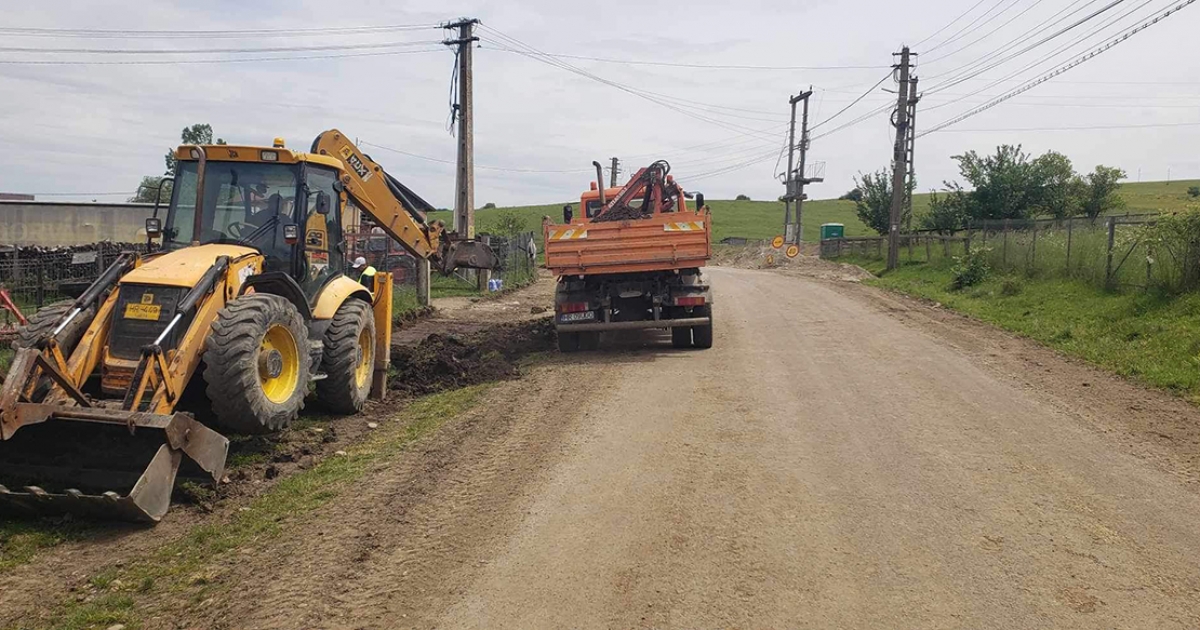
<point>600,182</point>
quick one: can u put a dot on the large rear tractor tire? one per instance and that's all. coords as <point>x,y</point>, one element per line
<point>46,319</point>
<point>348,360</point>
<point>257,364</point>
<point>702,336</point>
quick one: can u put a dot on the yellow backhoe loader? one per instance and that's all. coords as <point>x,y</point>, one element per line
<point>246,296</point>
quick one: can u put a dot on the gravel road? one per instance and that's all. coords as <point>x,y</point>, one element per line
<point>830,463</point>
<point>828,466</point>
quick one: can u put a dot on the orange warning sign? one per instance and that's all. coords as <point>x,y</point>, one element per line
<point>793,251</point>
<point>777,242</point>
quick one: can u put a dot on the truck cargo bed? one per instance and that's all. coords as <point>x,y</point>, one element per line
<point>664,241</point>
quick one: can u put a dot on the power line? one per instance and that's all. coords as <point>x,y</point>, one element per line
<point>987,34</point>
<point>84,33</point>
<point>703,66</point>
<point>854,102</point>
<point>1084,128</point>
<point>1028,86</point>
<point>967,30</point>
<point>951,23</point>
<point>191,51</point>
<point>175,62</point>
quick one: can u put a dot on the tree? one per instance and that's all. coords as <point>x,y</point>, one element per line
<point>200,133</point>
<point>1061,188</point>
<point>1100,191</point>
<point>947,213</point>
<point>150,185</point>
<point>742,198</point>
<point>875,207</point>
<point>510,223</point>
<point>1007,185</point>
<point>489,206</point>
<point>854,194</point>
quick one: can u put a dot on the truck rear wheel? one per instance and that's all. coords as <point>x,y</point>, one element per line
<point>681,337</point>
<point>702,336</point>
<point>349,359</point>
<point>257,364</point>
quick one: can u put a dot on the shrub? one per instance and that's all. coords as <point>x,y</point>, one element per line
<point>970,269</point>
<point>489,206</point>
<point>1010,287</point>
<point>742,198</point>
<point>1194,191</point>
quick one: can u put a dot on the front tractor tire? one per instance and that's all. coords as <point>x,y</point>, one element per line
<point>349,359</point>
<point>257,364</point>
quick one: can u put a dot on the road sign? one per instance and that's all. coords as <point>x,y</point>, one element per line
<point>777,242</point>
<point>770,259</point>
<point>793,251</point>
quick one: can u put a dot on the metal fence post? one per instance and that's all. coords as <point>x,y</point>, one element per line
<point>1004,250</point>
<point>928,253</point>
<point>41,283</point>
<point>1070,228</point>
<point>1108,270</point>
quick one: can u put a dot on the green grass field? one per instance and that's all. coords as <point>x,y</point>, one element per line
<point>764,219</point>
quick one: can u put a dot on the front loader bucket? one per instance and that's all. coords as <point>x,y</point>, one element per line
<point>60,451</point>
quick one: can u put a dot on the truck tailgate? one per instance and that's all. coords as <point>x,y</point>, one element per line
<point>665,241</point>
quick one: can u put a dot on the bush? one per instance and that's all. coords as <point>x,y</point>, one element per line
<point>489,206</point>
<point>970,269</point>
<point>1010,287</point>
<point>742,198</point>
<point>1194,191</point>
<point>855,194</point>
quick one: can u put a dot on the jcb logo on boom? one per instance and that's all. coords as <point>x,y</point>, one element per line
<point>361,169</point>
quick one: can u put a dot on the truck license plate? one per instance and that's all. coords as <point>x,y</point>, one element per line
<point>585,316</point>
<point>147,312</point>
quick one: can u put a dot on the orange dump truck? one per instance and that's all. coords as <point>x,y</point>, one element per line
<point>632,259</point>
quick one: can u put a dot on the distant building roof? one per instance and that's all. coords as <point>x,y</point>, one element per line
<point>15,197</point>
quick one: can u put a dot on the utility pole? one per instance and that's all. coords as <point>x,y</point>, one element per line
<point>910,152</point>
<point>899,159</point>
<point>793,182</point>
<point>464,179</point>
<point>616,168</point>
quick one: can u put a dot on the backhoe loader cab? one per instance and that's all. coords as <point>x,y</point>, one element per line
<point>246,293</point>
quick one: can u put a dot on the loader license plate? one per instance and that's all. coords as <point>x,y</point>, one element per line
<point>569,318</point>
<point>147,312</point>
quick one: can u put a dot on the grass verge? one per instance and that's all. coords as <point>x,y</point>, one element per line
<point>119,594</point>
<point>1153,338</point>
<point>20,541</point>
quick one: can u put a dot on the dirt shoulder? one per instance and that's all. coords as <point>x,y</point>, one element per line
<point>1150,423</point>
<point>495,333</point>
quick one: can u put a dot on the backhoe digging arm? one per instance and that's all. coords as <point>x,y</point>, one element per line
<point>398,210</point>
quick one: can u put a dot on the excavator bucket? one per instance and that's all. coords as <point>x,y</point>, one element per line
<point>467,254</point>
<point>51,453</point>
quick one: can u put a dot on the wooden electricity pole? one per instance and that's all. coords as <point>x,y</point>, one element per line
<point>899,162</point>
<point>464,179</point>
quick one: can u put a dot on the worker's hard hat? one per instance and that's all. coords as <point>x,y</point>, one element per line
<point>359,262</point>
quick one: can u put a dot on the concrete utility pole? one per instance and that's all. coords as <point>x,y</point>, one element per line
<point>464,180</point>
<point>899,159</point>
<point>910,152</point>
<point>793,185</point>
<point>616,168</point>
<point>802,175</point>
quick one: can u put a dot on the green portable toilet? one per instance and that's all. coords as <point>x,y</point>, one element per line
<point>832,230</point>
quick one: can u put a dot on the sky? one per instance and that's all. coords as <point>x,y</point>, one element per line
<point>75,131</point>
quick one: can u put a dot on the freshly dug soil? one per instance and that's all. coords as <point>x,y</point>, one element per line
<point>441,362</point>
<point>620,213</point>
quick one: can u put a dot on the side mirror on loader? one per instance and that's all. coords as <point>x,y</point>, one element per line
<point>322,203</point>
<point>153,227</point>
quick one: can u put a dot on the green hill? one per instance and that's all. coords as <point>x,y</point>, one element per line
<point>764,219</point>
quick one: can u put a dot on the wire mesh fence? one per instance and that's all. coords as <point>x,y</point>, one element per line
<point>36,276</point>
<point>1112,252</point>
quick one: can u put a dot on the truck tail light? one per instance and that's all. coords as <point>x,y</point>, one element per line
<point>573,307</point>
<point>690,301</point>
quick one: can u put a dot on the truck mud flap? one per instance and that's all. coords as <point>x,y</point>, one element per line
<point>638,325</point>
<point>128,462</point>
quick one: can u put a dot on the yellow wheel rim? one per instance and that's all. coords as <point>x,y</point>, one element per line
<point>278,364</point>
<point>366,352</point>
